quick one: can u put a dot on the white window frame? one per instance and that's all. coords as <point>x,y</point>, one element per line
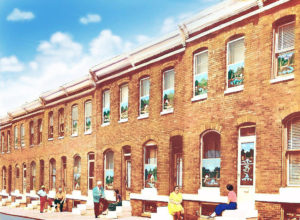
<point>146,115</point>
<point>235,88</point>
<point>203,96</point>
<point>85,117</point>
<point>124,119</point>
<point>107,91</point>
<point>171,110</point>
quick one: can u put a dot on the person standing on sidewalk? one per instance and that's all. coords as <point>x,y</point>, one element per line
<point>43,198</point>
<point>103,201</point>
<point>96,198</point>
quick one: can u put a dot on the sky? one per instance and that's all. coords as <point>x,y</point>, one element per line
<point>45,44</point>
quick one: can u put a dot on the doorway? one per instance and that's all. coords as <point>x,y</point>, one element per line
<point>176,161</point>
<point>126,185</point>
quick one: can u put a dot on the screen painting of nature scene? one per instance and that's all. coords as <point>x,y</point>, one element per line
<point>286,63</point>
<point>211,172</point>
<point>168,99</point>
<point>201,84</point>
<point>235,74</point>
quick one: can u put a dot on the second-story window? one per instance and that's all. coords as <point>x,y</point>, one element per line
<point>40,131</point>
<point>106,107</point>
<point>144,96</point>
<point>8,141</point>
<point>50,125</point>
<point>16,138</point>
<point>124,102</point>
<point>235,63</point>
<point>168,90</point>
<point>31,130</point>
<point>61,122</point>
<point>2,142</point>
<point>200,74</point>
<point>88,116</point>
<point>75,120</point>
<point>284,46</point>
<point>22,135</point>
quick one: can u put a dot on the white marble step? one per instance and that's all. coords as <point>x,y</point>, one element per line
<point>162,213</point>
<point>77,211</point>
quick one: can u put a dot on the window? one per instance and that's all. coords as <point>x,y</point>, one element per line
<point>144,96</point>
<point>64,172</point>
<point>2,142</point>
<point>124,102</point>
<point>22,135</point>
<point>150,166</point>
<point>77,172</point>
<point>106,107</point>
<point>16,136</point>
<point>293,156</point>
<point>235,63</point>
<point>200,74</point>
<point>61,122</point>
<point>75,120</point>
<point>42,173</point>
<point>50,125</point>
<point>31,130</point>
<point>24,178</point>
<point>109,169</point>
<point>17,176</point>
<point>4,178</point>
<point>168,90</point>
<point>211,161</point>
<point>33,175</point>
<point>40,131</point>
<point>8,141</point>
<point>88,116</point>
<point>284,46</point>
<point>52,174</point>
<point>91,170</point>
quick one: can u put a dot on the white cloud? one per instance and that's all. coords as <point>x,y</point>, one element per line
<point>10,64</point>
<point>18,15</point>
<point>142,38</point>
<point>90,18</point>
<point>169,24</point>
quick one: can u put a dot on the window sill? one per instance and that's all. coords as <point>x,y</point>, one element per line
<point>234,89</point>
<point>74,135</point>
<point>123,120</point>
<point>31,145</point>
<point>23,145</point>
<point>199,97</point>
<point>62,137</point>
<point>50,139</point>
<point>282,78</point>
<point>165,112</point>
<point>88,133</point>
<point>143,116</point>
<point>105,124</point>
<point>8,152</point>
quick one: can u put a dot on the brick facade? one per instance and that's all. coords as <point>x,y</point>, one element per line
<point>261,103</point>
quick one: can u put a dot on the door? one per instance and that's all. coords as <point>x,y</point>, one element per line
<point>128,178</point>
<point>246,166</point>
<point>9,179</point>
<point>91,173</point>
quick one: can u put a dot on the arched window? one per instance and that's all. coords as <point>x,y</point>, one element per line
<point>61,122</point>
<point>17,177</point>
<point>8,141</point>
<point>150,165</point>
<point>4,178</point>
<point>42,172</point>
<point>22,128</point>
<point>52,178</point>
<point>77,172</point>
<point>144,96</point>
<point>91,170</point>
<point>88,116</point>
<point>2,142</point>
<point>16,137</point>
<point>168,90</point>
<point>32,175</point>
<point>200,74</point>
<point>31,133</point>
<point>124,102</point>
<point>211,160</point>
<point>109,169</point>
<point>106,107</point>
<point>40,131</point>
<point>24,178</point>
<point>50,125</point>
<point>75,120</point>
<point>64,171</point>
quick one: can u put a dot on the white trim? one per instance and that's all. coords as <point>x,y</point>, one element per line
<point>143,116</point>
<point>62,137</point>
<point>105,124</point>
<point>168,111</point>
<point>74,135</point>
<point>282,78</point>
<point>50,139</point>
<point>88,133</point>
<point>234,89</point>
<point>123,120</point>
<point>199,97</point>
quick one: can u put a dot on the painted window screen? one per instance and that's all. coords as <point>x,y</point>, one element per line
<point>4,178</point>
<point>22,135</point>
<point>109,169</point>
<point>50,125</point>
<point>124,102</point>
<point>24,178</point>
<point>235,68</point>
<point>31,130</point>
<point>40,131</point>
<point>144,96</point>
<point>16,136</point>
<point>168,90</point>
<point>64,172</point>
<point>8,141</point>
<point>150,166</point>
<point>106,107</point>
<point>52,174</point>
<point>75,120</point>
<point>211,161</point>
<point>33,175</point>
<point>2,142</point>
<point>200,73</point>
<point>285,49</point>
<point>42,172</point>
<point>88,116</point>
<point>77,172</point>
<point>61,122</point>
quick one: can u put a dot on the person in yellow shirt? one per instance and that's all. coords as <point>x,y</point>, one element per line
<point>175,208</point>
<point>60,199</point>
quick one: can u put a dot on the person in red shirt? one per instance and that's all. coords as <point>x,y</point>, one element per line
<point>231,203</point>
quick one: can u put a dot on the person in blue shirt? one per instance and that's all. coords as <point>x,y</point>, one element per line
<point>99,198</point>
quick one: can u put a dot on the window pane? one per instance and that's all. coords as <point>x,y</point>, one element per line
<point>169,80</point>
<point>144,99</point>
<point>247,162</point>
<point>88,116</point>
<point>109,170</point>
<point>150,166</point>
<point>124,102</point>
<point>286,37</point>
<point>201,63</point>
<point>211,145</point>
<point>236,51</point>
<point>250,131</point>
<point>106,107</point>
<point>168,93</point>
<point>145,87</point>
<point>293,133</point>
<point>77,172</point>
<point>294,169</point>
<point>75,112</point>
<point>75,119</point>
